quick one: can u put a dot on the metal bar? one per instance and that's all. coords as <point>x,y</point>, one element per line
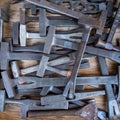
<point>112,103</point>
<point>72,81</point>
<point>77,15</point>
<point>90,108</point>
<point>115,56</point>
<point>78,96</point>
<point>46,82</point>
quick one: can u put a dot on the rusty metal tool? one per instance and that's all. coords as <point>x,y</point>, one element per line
<point>70,87</point>
<point>107,45</point>
<point>3,18</point>
<point>46,90</point>
<point>36,82</point>
<point>62,10</point>
<point>30,104</point>
<point>15,32</point>
<point>81,6</point>
<point>50,41</point>
<point>10,84</point>
<point>42,22</point>
<point>113,107</point>
<point>110,8</point>
<point>28,92</point>
<point>6,55</point>
<point>59,39</point>
<point>43,66</point>
<point>88,112</point>
<point>52,66</point>
<point>15,69</point>
<point>59,82</point>
<point>16,73</point>
<point>45,20</point>
<point>78,96</point>
<point>49,20</point>
<point>84,65</point>
<point>32,7</point>
<point>36,107</point>
<point>4,100</point>
<point>113,55</point>
<point>60,66</point>
<point>38,48</point>
<point>102,115</point>
<point>118,90</point>
<point>114,26</point>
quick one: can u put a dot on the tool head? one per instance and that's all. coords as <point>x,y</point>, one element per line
<point>16,33</point>
<point>118,90</point>
<point>23,32</point>
<point>89,112</point>
<point>8,84</point>
<point>4,55</point>
<point>23,35</point>
<point>2,100</point>
<point>42,66</point>
<point>22,15</point>
<point>15,69</point>
<point>49,40</point>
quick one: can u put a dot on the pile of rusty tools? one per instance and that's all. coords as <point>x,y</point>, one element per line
<point>70,33</point>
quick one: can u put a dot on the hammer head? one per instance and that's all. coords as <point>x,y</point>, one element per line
<point>15,69</point>
<point>8,84</point>
<point>4,55</point>
<point>49,40</point>
<point>2,100</point>
<point>42,66</point>
<point>43,22</point>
